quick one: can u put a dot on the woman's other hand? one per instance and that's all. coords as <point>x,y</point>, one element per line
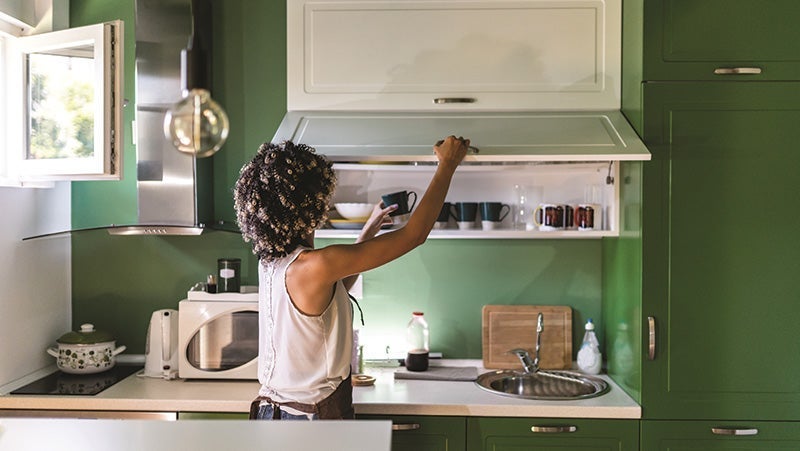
<point>379,218</point>
<point>451,150</point>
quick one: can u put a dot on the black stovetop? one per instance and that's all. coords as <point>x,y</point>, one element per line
<point>61,383</point>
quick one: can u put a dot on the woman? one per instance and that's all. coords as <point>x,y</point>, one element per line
<point>305,317</point>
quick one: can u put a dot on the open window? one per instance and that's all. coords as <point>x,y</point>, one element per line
<point>63,104</point>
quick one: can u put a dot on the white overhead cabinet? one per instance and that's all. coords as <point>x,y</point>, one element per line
<point>453,55</point>
<point>534,84</point>
<point>63,104</point>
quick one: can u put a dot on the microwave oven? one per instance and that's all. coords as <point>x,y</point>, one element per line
<point>218,335</point>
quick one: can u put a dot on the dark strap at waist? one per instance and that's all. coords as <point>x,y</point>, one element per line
<point>338,405</point>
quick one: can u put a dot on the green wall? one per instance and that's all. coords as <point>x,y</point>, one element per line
<point>119,281</point>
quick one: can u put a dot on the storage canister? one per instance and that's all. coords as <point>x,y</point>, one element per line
<point>229,279</point>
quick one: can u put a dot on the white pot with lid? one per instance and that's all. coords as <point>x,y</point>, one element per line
<point>86,351</point>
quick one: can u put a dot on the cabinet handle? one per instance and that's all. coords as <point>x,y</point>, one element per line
<point>472,149</point>
<point>737,71</point>
<point>553,429</point>
<point>651,344</point>
<point>734,431</point>
<point>406,427</point>
<point>443,100</point>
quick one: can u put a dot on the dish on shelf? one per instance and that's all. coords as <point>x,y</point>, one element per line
<point>349,224</point>
<point>354,211</point>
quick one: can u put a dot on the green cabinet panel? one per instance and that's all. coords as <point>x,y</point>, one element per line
<point>721,255</point>
<point>690,39</point>
<point>425,433</point>
<point>212,416</point>
<point>542,434</point>
<point>711,435</point>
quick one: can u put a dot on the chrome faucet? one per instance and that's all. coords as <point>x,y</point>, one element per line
<point>531,366</point>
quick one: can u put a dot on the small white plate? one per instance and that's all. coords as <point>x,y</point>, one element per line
<point>349,224</point>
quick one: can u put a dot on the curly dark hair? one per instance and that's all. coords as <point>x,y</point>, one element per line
<point>282,196</point>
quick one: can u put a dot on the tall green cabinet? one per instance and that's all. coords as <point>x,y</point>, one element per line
<point>713,87</point>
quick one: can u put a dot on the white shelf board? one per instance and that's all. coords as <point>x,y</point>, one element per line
<point>485,234</point>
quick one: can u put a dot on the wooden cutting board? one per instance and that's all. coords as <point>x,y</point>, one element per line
<point>506,327</point>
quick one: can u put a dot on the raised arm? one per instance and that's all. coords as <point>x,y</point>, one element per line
<point>311,277</point>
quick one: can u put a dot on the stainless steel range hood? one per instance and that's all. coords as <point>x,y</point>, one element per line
<point>174,190</point>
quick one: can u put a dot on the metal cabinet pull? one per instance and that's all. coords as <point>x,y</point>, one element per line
<point>651,345</point>
<point>734,431</point>
<point>737,71</point>
<point>472,149</point>
<point>406,427</point>
<point>443,100</point>
<point>553,429</point>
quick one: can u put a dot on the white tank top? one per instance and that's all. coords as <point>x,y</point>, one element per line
<point>301,358</point>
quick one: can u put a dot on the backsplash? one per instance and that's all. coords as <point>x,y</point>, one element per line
<point>119,281</point>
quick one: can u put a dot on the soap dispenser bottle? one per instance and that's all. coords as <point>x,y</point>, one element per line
<point>590,360</point>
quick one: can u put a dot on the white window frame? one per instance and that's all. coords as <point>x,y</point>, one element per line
<point>106,42</point>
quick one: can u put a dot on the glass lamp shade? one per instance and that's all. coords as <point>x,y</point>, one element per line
<point>197,125</point>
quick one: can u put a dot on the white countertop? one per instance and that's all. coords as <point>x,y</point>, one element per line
<point>387,396</point>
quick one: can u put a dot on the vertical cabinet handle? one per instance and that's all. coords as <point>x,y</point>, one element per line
<point>651,338</point>
<point>734,431</point>
<point>737,71</point>
<point>406,427</point>
<point>553,429</point>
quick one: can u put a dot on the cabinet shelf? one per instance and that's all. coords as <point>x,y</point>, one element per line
<point>563,183</point>
<point>484,234</point>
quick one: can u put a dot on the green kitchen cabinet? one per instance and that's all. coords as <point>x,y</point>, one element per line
<point>507,434</point>
<point>710,39</point>
<point>425,433</point>
<point>721,253</point>
<point>719,436</point>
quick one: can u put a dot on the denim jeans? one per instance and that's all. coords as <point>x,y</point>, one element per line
<point>266,410</point>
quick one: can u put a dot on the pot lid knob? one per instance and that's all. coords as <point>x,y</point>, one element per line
<point>87,328</point>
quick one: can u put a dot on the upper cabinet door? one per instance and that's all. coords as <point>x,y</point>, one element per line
<point>453,55</point>
<point>721,40</point>
<point>64,105</point>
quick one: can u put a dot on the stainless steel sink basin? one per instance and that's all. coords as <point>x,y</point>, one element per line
<point>546,385</point>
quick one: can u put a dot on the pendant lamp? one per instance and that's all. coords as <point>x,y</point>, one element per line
<point>197,125</point>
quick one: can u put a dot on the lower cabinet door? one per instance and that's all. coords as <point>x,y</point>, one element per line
<point>507,434</point>
<point>720,435</point>
<point>425,433</point>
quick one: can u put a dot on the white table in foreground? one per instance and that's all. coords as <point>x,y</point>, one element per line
<point>200,435</point>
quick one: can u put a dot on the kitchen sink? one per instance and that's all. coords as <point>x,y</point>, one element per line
<point>543,384</point>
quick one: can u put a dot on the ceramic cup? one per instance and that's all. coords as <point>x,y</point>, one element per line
<point>465,214</point>
<point>444,216</point>
<point>549,217</point>
<point>400,198</point>
<point>587,216</point>
<point>492,213</point>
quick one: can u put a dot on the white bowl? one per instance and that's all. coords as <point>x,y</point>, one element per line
<point>354,210</point>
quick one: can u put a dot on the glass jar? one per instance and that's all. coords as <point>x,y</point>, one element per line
<point>418,342</point>
<point>229,280</point>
